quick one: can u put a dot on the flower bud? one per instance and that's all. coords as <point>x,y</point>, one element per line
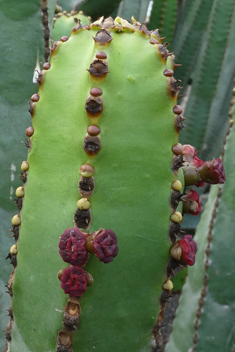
<point>72,247</point>
<point>103,244</point>
<point>189,152</point>
<point>184,250</point>
<point>191,204</point>
<point>73,281</point>
<point>212,171</point>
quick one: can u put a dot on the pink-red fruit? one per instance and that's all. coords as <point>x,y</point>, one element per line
<point>191,204</point>
<point>212,171</point>
<point>73,281</point>
<point>189,249</point>
<point>103,244</point>
<point>73,247</point>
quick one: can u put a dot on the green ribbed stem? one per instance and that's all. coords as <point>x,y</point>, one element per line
<point>132,190</point>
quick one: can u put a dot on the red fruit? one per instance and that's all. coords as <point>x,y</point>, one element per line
<point>103,244</point>
<point>191,204</point>
<point>189,249</point>
<point>73,247</point>
<point>73,281</point>
<point>212,171</point>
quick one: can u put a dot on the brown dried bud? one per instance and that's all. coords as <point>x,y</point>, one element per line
<point>92,145</point>
<point>86,186</point>
<point>72,314</point>
<point>179,123</point>
<point>64,341</point>
<point>98,70</point>
<point>82,218</point>
<point>94,106</point>
<point>103,38</point>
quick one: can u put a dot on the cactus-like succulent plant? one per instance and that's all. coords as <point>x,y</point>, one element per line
<point>106,108</point>
<point>94,112</point>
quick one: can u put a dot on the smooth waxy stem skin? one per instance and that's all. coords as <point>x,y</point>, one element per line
<point>132,189</point>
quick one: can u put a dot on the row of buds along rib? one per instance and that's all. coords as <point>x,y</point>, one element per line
<point>75,246</point>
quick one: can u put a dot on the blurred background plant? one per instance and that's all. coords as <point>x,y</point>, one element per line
<point>201,33</point>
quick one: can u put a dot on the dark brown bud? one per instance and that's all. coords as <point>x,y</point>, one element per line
<point>96,92</point>
<point>35,98</point>
<point>29,131</point>
<point>177,149</point>
<point>177,109</point>
<point>168,73</point>
<point>94,106</point>
<point>103,38</point>
<point>93,130</point>
<point>46,66</point>
<point>101,55</point>
<point>92,145</point>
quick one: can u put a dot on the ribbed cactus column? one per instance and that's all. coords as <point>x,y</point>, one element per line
<point>118,79</point>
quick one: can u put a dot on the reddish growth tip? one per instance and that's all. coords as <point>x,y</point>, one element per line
<point>73,281</point>
<point>64,38</point>
<point>189,249</point>
<point>29,131</point>
<point>73,247</point>
<point>46,66</point>
<point>103,244</point>
<point>191,204</point>
<point>101,55</point>
<point>212,171</point>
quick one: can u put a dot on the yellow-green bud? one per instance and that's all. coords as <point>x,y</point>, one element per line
<point>176,185</point>
<point>13,249</point>
<point>20,192</point>
<point>24,166</point>
<point>83,204</point>
<point>176,217</point>
<point>168,285</point>
<point>16,220</point>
